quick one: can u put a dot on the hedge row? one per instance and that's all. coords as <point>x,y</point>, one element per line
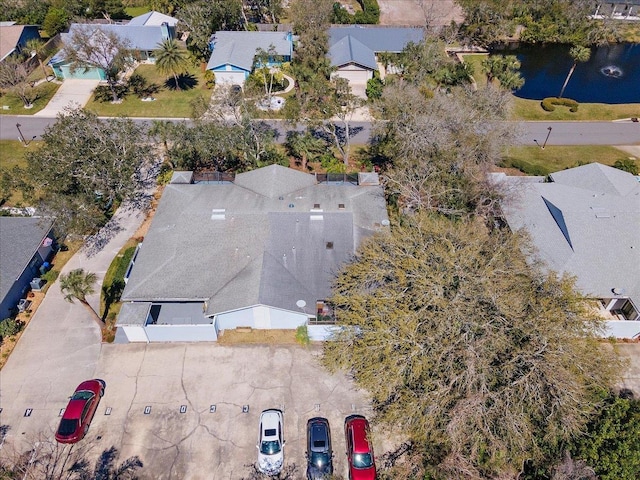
<point>549,103</point>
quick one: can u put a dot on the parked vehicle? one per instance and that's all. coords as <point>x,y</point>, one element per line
<point>271,442</point>
<point>359,448</point>
<point>319,453</point>
<point>80,411</point>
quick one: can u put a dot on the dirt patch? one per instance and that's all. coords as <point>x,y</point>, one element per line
<point>416,12</point>
<point>9,343</point>
<point>253,336</point>
<point>146,223</point>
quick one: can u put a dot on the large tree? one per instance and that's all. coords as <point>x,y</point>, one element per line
<point>202,18</point>
<point>503,68</point>
<point>440,147</point>
<point>91,47</point>
<point>479,357</point>
<point>171,60</point>
<point>14,79</point>
<point>85,167</point>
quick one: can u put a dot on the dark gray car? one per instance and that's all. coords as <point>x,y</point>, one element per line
<point>319,453</point>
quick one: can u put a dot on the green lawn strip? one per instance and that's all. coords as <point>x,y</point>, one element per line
<point>135,11</point>
<point>531,110</point>
<point>167,103</point>
<point>113,282</point>
<point>535,161</point>
<point>475,60</point>
<point>16,107</point>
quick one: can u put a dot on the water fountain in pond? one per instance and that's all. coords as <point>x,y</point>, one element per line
<point>611,71</point>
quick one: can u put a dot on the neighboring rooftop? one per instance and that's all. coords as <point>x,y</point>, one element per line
<point>20,238</point>
<point>378,39</point>
<point>10,35</point>
<point>273,237</point>
<point>239,48</point>
<point>586,222</point>
<point>153,18</point>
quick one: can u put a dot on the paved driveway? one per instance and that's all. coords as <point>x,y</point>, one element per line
<point>72,92</point>
<point>198,443</point>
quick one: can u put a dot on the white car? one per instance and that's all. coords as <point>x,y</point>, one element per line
<point>271,443</point>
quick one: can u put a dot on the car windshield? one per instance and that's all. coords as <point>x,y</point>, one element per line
<point>319,459</point>
<point>82,395</point>
<point>362,460</point>
<point>270,448</point>
<point>67,427</point>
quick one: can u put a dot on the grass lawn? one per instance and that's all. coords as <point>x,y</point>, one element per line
<point>16,107</point>
<point>167,103</point>
<point>135,11</point>
<point>112,287</point>
<point>475,60</point>
<point>13,154</point>
<point>531,110</point>
<point>535,161</point>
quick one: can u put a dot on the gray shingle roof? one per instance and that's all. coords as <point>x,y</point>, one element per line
<point>378,39</point>
<point>236,246</point>
<point>140,37</point>
<point>599,238</point>
<point>20,238</point>
<point>350,50</point>
<point>239,48</point>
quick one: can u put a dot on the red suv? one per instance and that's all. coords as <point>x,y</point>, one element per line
<point>80,410</point>
<point>359,448</point>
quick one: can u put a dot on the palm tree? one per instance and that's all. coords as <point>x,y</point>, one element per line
<point>40,50</point>
<point>78,284</point>
<point>504,69</point>
<point>170,59</point>
<point>578,54</point>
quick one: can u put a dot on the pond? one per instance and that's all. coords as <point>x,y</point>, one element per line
<point>612,74</point>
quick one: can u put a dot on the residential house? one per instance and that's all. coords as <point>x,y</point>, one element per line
<point>142,40</point>
<point>585,221</point>
<point>233,53</point>
<point>153,18</point>
<point>259,251</point>
<point>13,38</point>
<point>353,49</point>
<point>25,244</point>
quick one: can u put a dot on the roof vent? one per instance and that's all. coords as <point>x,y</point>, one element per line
<point>329,245</point>
<point>316,205</point>
<point>218,214</point>
<point>341,206</point>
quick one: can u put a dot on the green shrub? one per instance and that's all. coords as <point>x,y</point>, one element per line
<point>165,174</point>
<point>50,276</point>
<point>627,165</point>
<point>549,103</point>
<point>374,87</point>
<point>302,335</point>
<point>10,327</point>
<point>370,13</point>
<point>209,79</point>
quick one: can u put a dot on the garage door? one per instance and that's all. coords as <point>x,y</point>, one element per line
<point>355,76</point>
<point>229,78</point>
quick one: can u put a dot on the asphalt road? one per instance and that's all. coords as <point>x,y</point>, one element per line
<point>561,133</point>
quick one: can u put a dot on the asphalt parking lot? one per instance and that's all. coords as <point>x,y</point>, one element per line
<point>182,436</point>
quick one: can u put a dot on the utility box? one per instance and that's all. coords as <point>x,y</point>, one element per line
<point>36,284</point>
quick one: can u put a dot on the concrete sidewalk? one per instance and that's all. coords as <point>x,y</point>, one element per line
<point>72,92</point>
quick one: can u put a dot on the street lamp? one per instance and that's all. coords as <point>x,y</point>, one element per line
<point>545,140</point>
<point>24,142</point>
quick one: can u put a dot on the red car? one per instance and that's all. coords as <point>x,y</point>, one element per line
<point>80,410</point>
<point>359,448</point>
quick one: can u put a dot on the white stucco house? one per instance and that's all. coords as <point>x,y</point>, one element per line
<point>259,251</point>
<point>585,221</point>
